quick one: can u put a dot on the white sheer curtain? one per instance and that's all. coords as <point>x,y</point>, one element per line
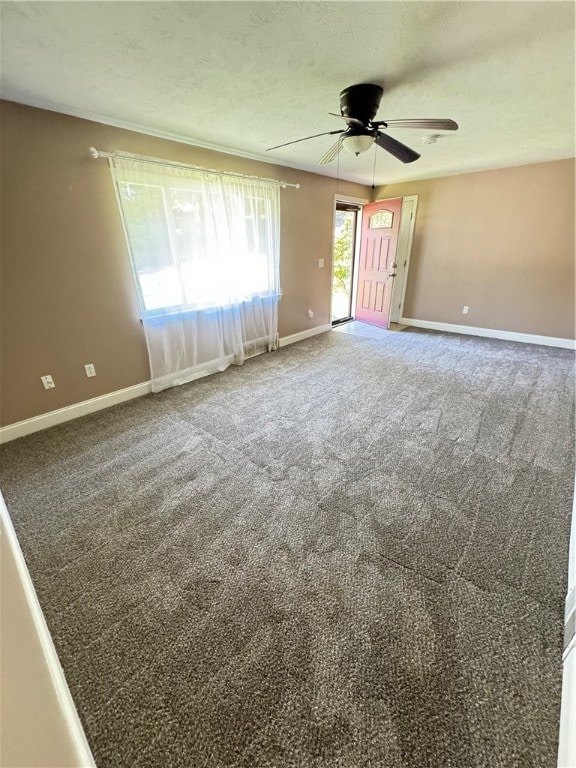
<point>205,251</point>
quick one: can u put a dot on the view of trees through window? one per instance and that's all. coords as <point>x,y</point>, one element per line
<point>181,252</point>
<point>342,264</point>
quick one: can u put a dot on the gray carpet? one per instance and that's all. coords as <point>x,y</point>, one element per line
<point>349,553</point>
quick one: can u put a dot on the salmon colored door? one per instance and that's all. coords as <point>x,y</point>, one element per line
<point>376,270</point>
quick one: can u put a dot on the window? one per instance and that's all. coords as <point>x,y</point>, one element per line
<point>205,250</point>
<point>198,241</point>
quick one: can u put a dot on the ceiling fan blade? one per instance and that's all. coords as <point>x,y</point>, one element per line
<point>332,153</point>
<point>396,148</point>
<point>426,124</point>
<point>350,120</point>
<point>326,133</point>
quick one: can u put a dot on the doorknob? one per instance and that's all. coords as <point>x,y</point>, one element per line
<point>392,275</point>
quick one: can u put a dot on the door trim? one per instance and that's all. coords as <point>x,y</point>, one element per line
<point>361,201</point>
<point>400,300</point>
<point>45,682</point>
<point>414,199</point>
<point>567,745</point>
<point>341,198</point>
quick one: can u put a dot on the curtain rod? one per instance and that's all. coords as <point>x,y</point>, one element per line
<point>96,153</point>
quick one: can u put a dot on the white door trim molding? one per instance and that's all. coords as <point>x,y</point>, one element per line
<point>66,722</point>
<point>360,201</point>
<point>341,198</point>
<point>567,740</point>
<point>491,333</point>
<point>408,250</point>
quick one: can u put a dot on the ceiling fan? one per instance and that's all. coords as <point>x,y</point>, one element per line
<point>358,107</point>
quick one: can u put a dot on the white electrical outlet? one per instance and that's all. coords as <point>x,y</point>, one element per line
<point>310,314</point>
<point>465,310</point>
<point>320,263</point>
<point>90,370</point>
<point>48,382</point>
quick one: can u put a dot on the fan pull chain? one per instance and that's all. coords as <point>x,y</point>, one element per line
<point>374,169</point>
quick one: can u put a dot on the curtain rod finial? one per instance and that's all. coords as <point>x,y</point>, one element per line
<point>94,152</point>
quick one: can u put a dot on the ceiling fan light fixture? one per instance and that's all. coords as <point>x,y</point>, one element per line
<point>358,107</point>
<point>357,144</point>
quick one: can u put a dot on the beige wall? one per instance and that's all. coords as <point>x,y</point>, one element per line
<point>68,294</point>
<point>500,242</point>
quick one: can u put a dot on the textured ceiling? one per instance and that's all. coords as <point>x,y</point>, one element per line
<point>244,76</point>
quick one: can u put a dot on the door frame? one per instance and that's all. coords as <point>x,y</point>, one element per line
<point>361,201</point>
<point>342,198</point>
<point>403,252</point>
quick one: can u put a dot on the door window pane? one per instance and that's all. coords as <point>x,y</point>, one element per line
<point>381,220</point>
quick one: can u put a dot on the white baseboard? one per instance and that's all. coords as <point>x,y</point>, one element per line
<point>50,419</point>
<point>490,333</point>
<point>285,340</point>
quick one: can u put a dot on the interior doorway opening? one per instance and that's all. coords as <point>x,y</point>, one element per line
<point>343,261</point>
